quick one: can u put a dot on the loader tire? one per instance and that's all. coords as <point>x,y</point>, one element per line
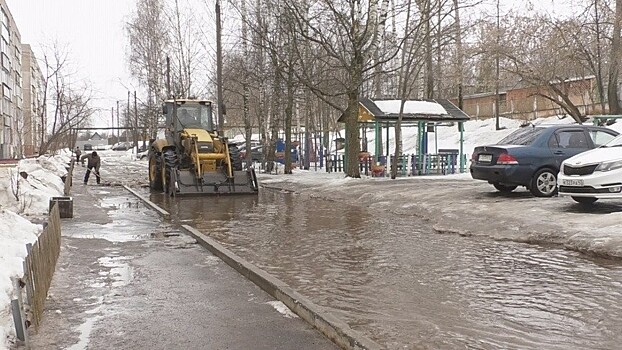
<point>234,155</point>
<point>155,172</point>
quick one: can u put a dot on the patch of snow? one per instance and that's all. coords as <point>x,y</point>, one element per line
<point>282,309</point>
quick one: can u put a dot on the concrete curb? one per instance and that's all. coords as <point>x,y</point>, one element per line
<point>154,206</point>
<point>330,326</point>
<point>333,328</point>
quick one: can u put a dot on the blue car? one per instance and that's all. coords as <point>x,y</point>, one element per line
<point>532,155</point>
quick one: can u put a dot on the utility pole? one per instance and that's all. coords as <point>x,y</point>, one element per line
<point>135,120</point>
<point>168,77</point>
<point>118,125</point>
<point>112,121</point>
<point>221,105</point>
<point>127,115</point>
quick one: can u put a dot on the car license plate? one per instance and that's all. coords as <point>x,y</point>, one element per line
<point>484,158</point>
<point>572,182</point>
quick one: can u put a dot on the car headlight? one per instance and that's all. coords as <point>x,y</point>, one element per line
<point>607,166</point>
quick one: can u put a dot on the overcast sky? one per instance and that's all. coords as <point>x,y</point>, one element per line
<point>94,32</point>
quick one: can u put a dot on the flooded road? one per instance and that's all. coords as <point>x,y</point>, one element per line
<point>405,286</point>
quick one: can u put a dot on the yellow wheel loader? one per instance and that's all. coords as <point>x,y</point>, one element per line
<point>193,158</point>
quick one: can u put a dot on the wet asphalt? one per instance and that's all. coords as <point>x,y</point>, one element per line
<point>128,280</point>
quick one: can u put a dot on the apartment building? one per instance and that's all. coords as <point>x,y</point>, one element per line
<point>11,84</point>
<point>33,111</point>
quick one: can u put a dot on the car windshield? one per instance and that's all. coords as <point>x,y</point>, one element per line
<point>524,136</point>
<point>616,142</point>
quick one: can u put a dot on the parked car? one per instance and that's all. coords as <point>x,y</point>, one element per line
<point>532,156</point>
<point>256,153</point>
<point>87,147</point>
<point>121,146</point>
<point>593,175</point>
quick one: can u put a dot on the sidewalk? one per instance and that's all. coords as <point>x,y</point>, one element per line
<point>126,280</point>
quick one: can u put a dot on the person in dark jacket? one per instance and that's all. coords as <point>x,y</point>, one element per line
<point>78,153</point>
<point>93,163</point>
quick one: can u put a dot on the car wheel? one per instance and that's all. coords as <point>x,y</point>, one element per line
<point>504,188</point>
<point>584,200</point>
<point>544,183</point>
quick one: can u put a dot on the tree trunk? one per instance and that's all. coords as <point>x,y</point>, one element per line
<point>289,111</point>
<point>221,104</point>
<point>599,59</point>
<point>459,54</point>
<point>497,53</point>
<point>352,136</point>
<point>404,72</point>
<point>614,68</point>
<point>378,74</point>
<point>427,16</point>
<point>245,88</point>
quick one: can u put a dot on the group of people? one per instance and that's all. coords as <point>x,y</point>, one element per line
<point>92,165</point>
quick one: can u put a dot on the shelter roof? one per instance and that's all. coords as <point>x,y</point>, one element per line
<point>414,110</point>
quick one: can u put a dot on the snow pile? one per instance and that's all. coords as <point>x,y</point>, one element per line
<point>25,190</point>
<point>15,233</point>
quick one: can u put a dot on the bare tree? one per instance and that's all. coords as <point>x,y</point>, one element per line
<point>539,57</point>
<point>184,47</point>
<point>148,36</point>
<point>345,37</point>
<point>245,84</point>
<point>67,102</point>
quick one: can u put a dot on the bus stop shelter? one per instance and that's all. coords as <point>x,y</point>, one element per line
<point>426,115</point>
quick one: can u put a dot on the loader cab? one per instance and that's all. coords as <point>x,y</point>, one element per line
<point>188,114</point>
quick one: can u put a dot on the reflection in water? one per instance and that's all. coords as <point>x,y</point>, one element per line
<point>398,282</point>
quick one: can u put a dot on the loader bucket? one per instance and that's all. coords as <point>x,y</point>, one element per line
<point>242,182</point>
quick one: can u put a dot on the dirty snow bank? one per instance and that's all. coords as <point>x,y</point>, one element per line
<point>33,182</point>
<point>26,188</point>
<point>15,233</point>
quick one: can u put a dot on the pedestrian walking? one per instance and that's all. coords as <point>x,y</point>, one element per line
<point>93,163</point>
<point>78,153</point>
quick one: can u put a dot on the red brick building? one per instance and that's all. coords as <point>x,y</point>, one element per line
<point>527,103</point>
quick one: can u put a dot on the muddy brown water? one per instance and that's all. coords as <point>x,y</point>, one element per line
<point>405,286</point>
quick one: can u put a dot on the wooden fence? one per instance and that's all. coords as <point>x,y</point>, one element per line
<point>40,264</point>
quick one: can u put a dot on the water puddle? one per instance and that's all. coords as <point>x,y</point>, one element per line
<point>395,280</point>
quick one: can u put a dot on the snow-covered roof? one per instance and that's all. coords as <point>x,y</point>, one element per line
<point>410,107</point>
<point>414,110</point>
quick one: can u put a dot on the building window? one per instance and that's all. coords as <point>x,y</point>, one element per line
<point>6,64</point>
